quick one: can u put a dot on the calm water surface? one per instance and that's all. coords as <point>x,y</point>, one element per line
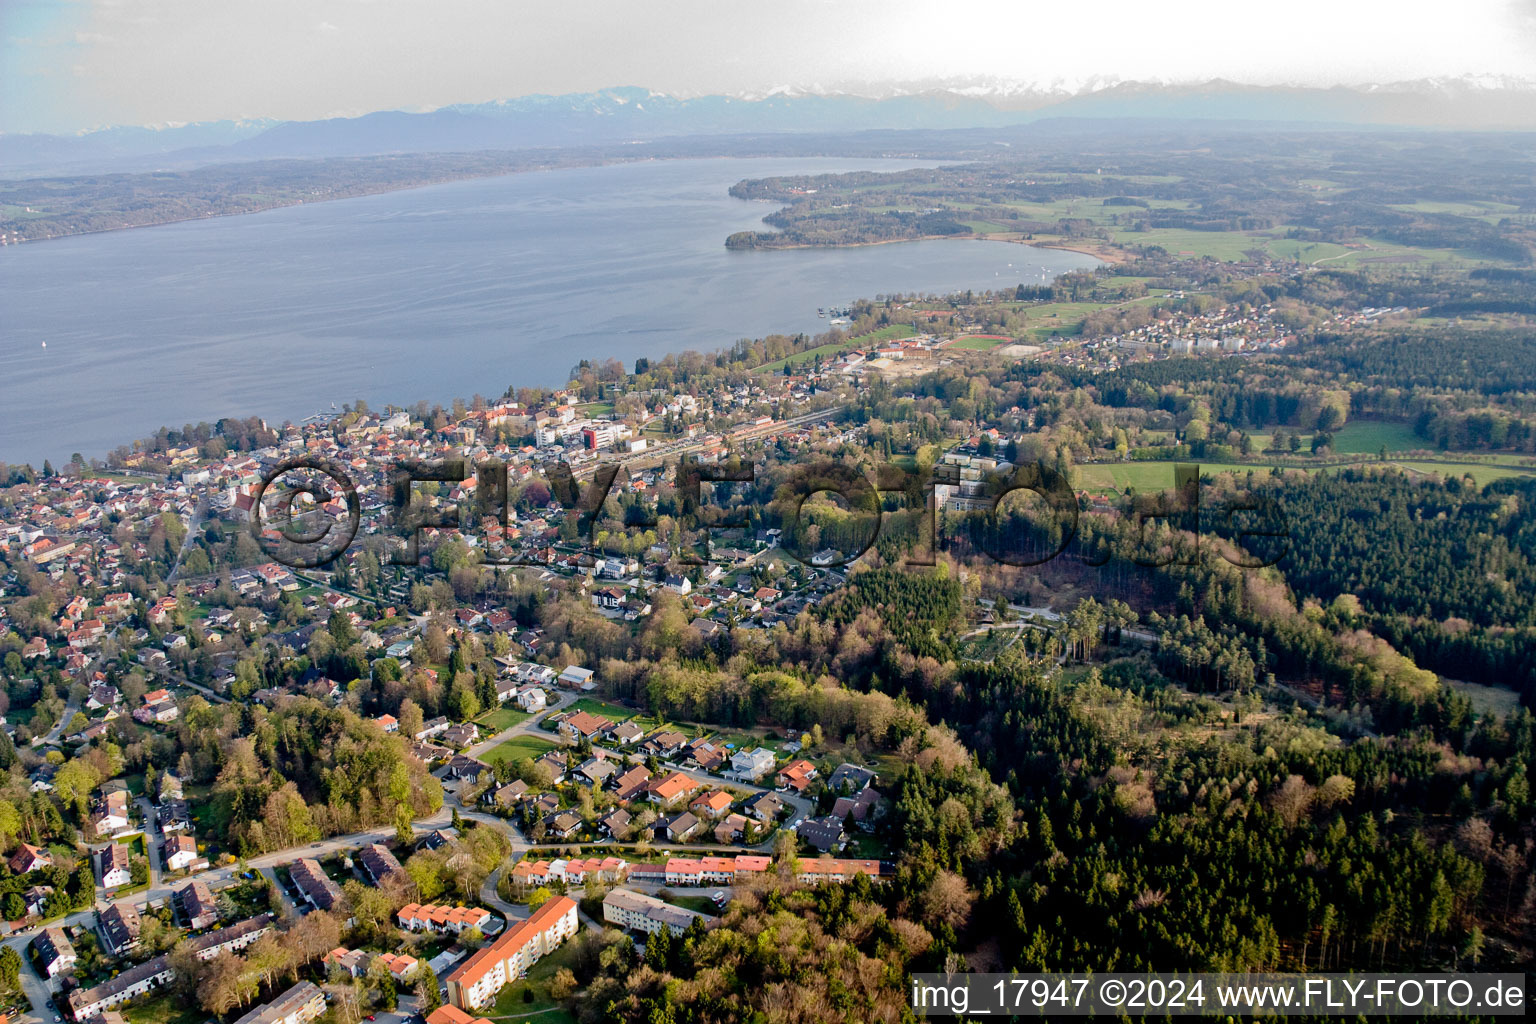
<point>429,294</point>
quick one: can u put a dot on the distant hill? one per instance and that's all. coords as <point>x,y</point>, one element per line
<point>631,114</point>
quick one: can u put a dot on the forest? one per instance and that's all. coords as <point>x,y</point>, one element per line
<point>1127,189</point>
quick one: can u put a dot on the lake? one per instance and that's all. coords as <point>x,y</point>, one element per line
<point>430,293</point>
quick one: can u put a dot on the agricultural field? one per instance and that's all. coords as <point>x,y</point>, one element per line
<point>1366,437</point>
<point>1155,476</point>
<point>1145,476</point>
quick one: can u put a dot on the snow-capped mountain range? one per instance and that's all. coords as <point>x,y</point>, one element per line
<point>635,114</point>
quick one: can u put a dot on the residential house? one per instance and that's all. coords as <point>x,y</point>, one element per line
<point>35,897</point>
<point>596,770</point>
<point>797,775</point>
<point>615,823</point>
<point>671,789</point>
<point>170,787</point>
<point>198,905</point>
<point>55,953</point>
<point>562,824</point>
<point>119,925</point>
<point>400,966</point>
<point>174,816</point>
<point>712,804</point>
<point>751,765</point>
<point>824,834</point>
<point>467,768</point>
<point>664,745</point>
<point>377,862</point>
<point>353,961</point>
<point>850,779</point>
<point>860,808</point>
<point>317,888</point>
<point>765,807</point>
<point>29,858</point>
<point>732,828</point>
<point>179,853</point>
<point>632,783</point>
<point>461,735</point>
<point>450,1014</point>
<point>704,754</point>
<point>443,920</point>
<point>676,828</point>
<point>511,794</point>
<point>111,817</point>
<point>625,733</point>
<point>112,868</point>
<point>555,761</point>
<point>582,724</point>
<point>825,869</point>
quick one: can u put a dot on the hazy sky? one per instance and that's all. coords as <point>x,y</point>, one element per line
<point>72,64</point>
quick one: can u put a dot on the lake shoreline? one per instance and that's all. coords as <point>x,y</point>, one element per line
<point>1105,254</point>
<point>421,294</point>
<point>361,192</point>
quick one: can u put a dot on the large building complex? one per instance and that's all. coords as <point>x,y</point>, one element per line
<point>475,982</point>
<point>629,909</point>
<point>303,1002</point>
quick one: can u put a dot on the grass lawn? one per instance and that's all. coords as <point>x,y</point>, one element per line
<point>517,747</point>
<point>864,847</point>
<point>166,1009</point>
<point>501,719</point>
<point>977,342</point>
<point>698,904</point>
<point>612,712</point>
<point>513,1000</point>
<point>745,740</point>
<point>1370,436</point>
<point>135,845</point>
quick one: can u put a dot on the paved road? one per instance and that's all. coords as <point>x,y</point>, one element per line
<point>198,513</point>
<point>527,727</point>
<point>39,991</point>
<point>60,726</point>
